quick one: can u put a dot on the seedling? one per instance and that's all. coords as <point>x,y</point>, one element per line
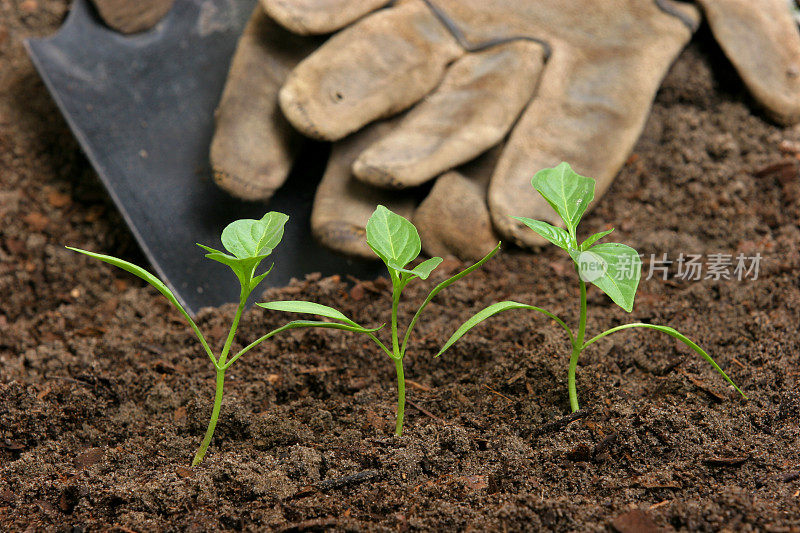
<point>612,267</point>
<point>396,242</point>
<point>248,242</point>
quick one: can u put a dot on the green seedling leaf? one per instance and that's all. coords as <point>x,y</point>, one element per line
<point>585,245</point>
<point>492,310</point>
<point>258,279</point>
<point>331,325</point>
<point>393,238</point>
<point>424,269</point>
<point>672,332</point>
<point>138,272</point>
<point>554,234</point>
<point>613,268</point>
<point>211,250</point>
<point>247,238</point>
<point>566,191</point>
<point>311,308</point>
<point>439,288</point>
<point>591,266</point>
<point>295,324</point>
<point>243,268</point>
<point>155,282</point>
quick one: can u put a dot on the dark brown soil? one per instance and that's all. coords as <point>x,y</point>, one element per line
<point>104,393</point>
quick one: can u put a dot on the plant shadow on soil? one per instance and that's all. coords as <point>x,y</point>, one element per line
<point>104,393</point>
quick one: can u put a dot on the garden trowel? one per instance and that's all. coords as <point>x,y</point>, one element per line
<point>142,108</point>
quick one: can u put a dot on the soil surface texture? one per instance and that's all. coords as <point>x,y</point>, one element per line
<point>105,393</point>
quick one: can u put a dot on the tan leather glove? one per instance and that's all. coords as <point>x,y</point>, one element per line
<point>254,146</point>
<point>560,80</point>
<point>127,16</point>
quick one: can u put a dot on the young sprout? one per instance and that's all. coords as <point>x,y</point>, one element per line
<point>612,267</point>
<point>396,242</point>
<point>248,243</point>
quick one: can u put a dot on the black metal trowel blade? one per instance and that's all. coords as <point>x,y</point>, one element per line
<point>142,109</point>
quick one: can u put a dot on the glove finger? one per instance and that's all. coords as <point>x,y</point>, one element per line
<point>472,110</point>
<point>375,68</point>
<point>315,17</point>
<point>253,145</point>
<point>343,205</point>
<point>132,17</point>
<point>454,218</point>
<point>762,42</point>
<point>589,111</point>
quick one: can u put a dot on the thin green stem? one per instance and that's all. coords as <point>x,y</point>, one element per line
<point>201,452</point>
<point>577,347</point>
<point>395,303</point>
<point>221,367</point>
<point>582,323</point>
<point>573,365</point>
<point>401,396</point>
<point>232,333</point>
<point>398,360</point>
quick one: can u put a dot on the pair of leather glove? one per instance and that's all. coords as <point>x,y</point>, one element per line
<point>481,95</point>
